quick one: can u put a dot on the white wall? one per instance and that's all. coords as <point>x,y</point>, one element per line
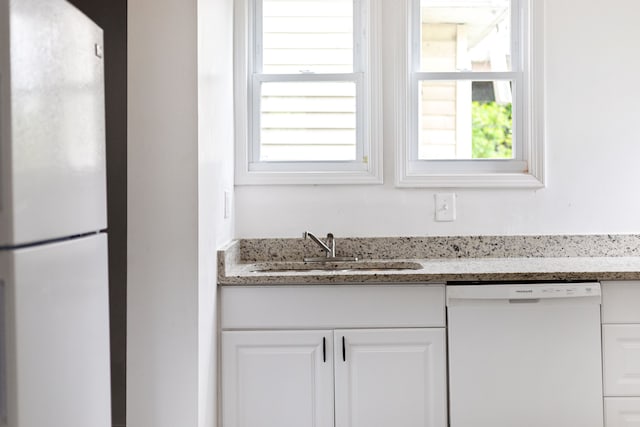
<point>162,294</point>
<point>593,147</point>
<point>215,175</point>
<point>179,162</point>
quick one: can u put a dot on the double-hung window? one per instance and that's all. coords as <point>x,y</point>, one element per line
<point>307,88</point>
<point>469,94</point>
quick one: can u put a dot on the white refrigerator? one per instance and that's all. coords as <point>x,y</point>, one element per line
<point>54,319</point>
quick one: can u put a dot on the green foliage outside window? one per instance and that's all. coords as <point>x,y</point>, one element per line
<point>492,130</point>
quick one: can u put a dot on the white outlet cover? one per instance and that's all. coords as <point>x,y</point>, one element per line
<point>445,207</point>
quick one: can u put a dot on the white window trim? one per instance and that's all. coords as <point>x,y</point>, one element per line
<point>369,106</point>
<point>527,170</point>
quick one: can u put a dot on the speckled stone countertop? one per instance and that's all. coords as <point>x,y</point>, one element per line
<point>458,258</point>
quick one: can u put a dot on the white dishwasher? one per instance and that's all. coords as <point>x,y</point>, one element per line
<point>525,355</point>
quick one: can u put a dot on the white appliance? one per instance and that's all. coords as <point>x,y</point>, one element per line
<point>525,355</point>
<point>54,320</point>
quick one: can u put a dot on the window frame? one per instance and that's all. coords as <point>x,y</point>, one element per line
<point>527,168</point>
<point>367,167</point>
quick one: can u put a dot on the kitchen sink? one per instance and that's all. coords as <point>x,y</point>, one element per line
<point>378,265</point>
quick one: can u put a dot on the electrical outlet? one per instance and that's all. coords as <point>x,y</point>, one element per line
<point>445,206</point>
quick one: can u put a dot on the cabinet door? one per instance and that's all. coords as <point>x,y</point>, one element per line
<point>621,360</point>
<point>277,379</point>
<point>622,411</point>
<point>392,377</point>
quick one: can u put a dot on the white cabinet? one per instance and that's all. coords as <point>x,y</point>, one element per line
<point>621,353</point>
<point>277,378</point>
<point>622,412</point>
<point>621,302</point>
<point>390,378</point>
<point>332,306</point>
<point>621,359</point>
<point>347,375</point>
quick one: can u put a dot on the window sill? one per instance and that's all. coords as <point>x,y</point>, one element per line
<point>307,178</point>
<point>484,180</point>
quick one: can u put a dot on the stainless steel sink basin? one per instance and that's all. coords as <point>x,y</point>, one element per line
<point>380,265</point>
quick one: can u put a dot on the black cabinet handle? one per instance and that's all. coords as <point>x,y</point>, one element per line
<point>344,351</point>
<point>324,349</point>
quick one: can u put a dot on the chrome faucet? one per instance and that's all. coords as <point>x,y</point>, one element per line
<point>329,247</point>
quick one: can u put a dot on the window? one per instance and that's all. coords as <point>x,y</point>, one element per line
<point>469,94</point>
<point>307,107</point>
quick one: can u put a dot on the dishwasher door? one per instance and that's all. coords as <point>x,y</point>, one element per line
<point>525,355</point>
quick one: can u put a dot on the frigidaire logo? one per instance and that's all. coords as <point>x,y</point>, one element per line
<point>524,291</point>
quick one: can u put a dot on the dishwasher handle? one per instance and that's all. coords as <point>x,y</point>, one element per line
<point>534,292</point>
<point>524,301</point>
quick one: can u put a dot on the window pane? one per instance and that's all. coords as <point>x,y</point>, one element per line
<point>308,121</point>
<point>465,120</point>
<point>301,36</point>
<point>465,35</point>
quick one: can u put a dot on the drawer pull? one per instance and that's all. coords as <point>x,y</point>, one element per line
<point>344,351</point>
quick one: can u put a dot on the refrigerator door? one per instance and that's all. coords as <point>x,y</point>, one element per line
<point>3,344</point>
<point>53,135</point>
<point>57,344</point>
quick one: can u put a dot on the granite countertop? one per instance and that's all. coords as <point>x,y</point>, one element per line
<point>439,259</point>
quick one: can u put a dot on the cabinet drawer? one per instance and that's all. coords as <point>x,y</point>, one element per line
<point>340,306</point>
<point>621,302</point>
<point>621,360</point>
<point>622,411</point>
